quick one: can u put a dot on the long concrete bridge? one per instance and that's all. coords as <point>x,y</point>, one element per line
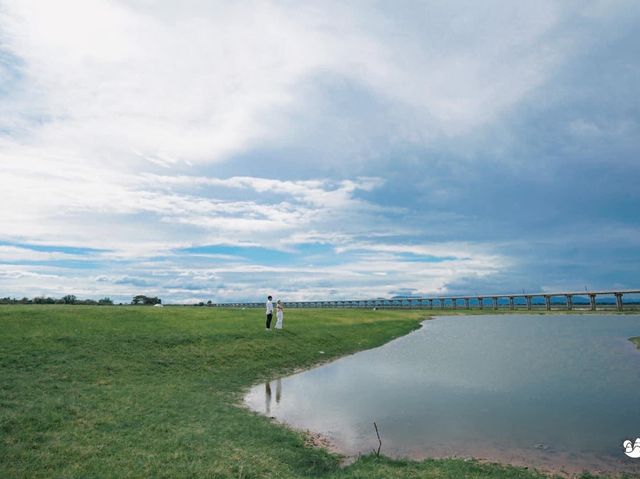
<point>591,300</point>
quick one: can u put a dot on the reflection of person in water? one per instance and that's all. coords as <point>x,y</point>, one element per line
<point>267,397</point>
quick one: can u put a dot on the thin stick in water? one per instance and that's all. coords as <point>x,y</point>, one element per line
<point>379,440</point>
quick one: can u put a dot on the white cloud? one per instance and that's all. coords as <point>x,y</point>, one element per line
<point>102,208</point>
<point>13,254</point>
<point>125,84</point>
<point>117,112</point>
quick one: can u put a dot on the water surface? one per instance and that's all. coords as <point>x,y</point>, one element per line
<point>556,392</point>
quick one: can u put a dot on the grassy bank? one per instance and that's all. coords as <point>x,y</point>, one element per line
<point>636,341</point>
<point>153,392</point>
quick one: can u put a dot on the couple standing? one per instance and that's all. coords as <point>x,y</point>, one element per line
<point>279,313</point>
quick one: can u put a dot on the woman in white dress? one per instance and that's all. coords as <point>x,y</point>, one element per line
<point>279,314</point>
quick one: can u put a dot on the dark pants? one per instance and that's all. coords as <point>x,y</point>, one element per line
<point>269,317</point>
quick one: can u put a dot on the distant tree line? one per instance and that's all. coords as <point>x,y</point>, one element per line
<point>67,299</point>
<point>139,299</point>
<point>202,303</point>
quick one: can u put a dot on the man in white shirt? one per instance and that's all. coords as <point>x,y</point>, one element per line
<point>269,312</point>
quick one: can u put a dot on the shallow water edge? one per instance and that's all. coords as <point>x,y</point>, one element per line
<point>339,427</point>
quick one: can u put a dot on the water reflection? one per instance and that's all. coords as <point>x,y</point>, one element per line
<point>278,390</point>
<point>267,395</point>
<point>545,391</point>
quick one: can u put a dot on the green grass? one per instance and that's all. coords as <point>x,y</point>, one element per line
<point>636,341</point>
<point>150,392</point>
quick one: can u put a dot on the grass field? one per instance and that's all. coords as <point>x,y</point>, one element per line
<point>154,392</point>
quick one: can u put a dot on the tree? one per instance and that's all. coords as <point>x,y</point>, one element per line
<point>105,301</point>
<point>69,299</point>
<point>143,299</point>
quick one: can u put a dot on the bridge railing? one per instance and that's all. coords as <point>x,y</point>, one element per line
<point>580,300</point>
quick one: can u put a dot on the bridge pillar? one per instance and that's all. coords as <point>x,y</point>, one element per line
<point>511,304</point>
<point>495,302</point>
<point>592,301</point>
<point>466,303</point>
<point>569,302</point>
<point>480,303</point>
<point>618,301</point>
<point>441,303</point>
<point>547,302</point>
<point>430,303</point>
<point>454,303</point>
<point>528,298</point>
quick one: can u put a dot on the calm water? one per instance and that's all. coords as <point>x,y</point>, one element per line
<point>557,392</point>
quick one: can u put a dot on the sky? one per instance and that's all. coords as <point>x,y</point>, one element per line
<point>205,150</point>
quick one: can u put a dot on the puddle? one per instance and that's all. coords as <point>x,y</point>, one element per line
<point>560,393</point>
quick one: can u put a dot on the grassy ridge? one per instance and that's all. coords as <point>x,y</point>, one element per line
<point>150,392</point>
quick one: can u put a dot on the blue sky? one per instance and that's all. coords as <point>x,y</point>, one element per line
<point>323,150</point>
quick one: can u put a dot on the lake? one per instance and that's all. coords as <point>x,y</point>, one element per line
<point>557,392</point>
